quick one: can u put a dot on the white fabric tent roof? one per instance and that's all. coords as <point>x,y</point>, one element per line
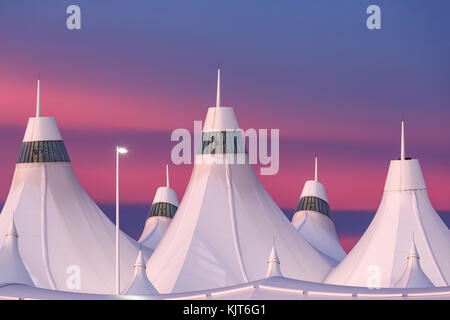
<point>12,269</point>
<point>156,226</point>
<point>224,227</point>
<point>405,210</point>
<point>154,229</point>
<point>273,288</point>
<point>279,288</point>
<point>61,229</point>
<point>316,227</point>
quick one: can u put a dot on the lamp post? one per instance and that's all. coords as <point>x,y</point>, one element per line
<point>119,150</point>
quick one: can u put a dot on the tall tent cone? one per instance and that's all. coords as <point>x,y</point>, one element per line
<point>218,89</point>
<point>59,225</point>
<point>12,269</point>
<point>413,276</point>
<point>140,285</point>
<point>163,209</point>
<point>226,221</point>
<point>273,264</point>
<point>405,209</point>
<point>313,221</point>
<point>38,100</point>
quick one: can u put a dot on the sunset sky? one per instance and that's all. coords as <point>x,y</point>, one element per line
<point>138,70</point>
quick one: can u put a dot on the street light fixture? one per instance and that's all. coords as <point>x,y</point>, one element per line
<point>119,151</point>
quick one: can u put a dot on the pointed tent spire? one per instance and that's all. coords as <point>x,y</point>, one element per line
<point>413,276</point>
<point>273,264</point>
<point>12,269</point>
<point>218,88</point>
<point>167,176</point>
<point>12,231</point>
<point>413,250</point>
<point>38,100</point>
<point>140,263</point>
<point>315,169</point>
<point>140,284</point>
<point>402,155</point>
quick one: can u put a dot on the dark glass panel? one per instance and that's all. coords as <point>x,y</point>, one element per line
<point>35,152</point>
<point>162,209</point>
<point>313,204</point>
<point>58,156</point>
<point>24,153</point>
<point>60,152</point>
<point>51,157</point>
<point>66,155</point>
<point>43,151</point>
<point>222,142</point>
<point>29,152</point>
<point>21,154</point>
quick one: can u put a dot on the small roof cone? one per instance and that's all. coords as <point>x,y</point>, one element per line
<point>273,264</point>
<point>218,88</point>
<point>313,188</point>
<point>163,209</point>
<point>413,251</point>
<point>140,284</point>
<point>140,263</point>
<point>12,231</point>
<point>12,269</point>
<point>312,219</point>
<point>41,129</point>
<point>402,151</point>
<point>38,100</point>
<point>166,196</point>
<point>414,277</point>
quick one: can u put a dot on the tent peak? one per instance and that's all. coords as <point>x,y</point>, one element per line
<point>12,231</point>
<point>140,263</point>
<point>413,250</point>
<point>273,263</point>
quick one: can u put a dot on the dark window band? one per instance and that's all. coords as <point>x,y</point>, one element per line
<point>222,142</point>
<point>313,204</point>
<point>43,151</point>
<point>162,209</point>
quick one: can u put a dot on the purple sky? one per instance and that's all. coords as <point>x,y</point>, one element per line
<point>136,71</point>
